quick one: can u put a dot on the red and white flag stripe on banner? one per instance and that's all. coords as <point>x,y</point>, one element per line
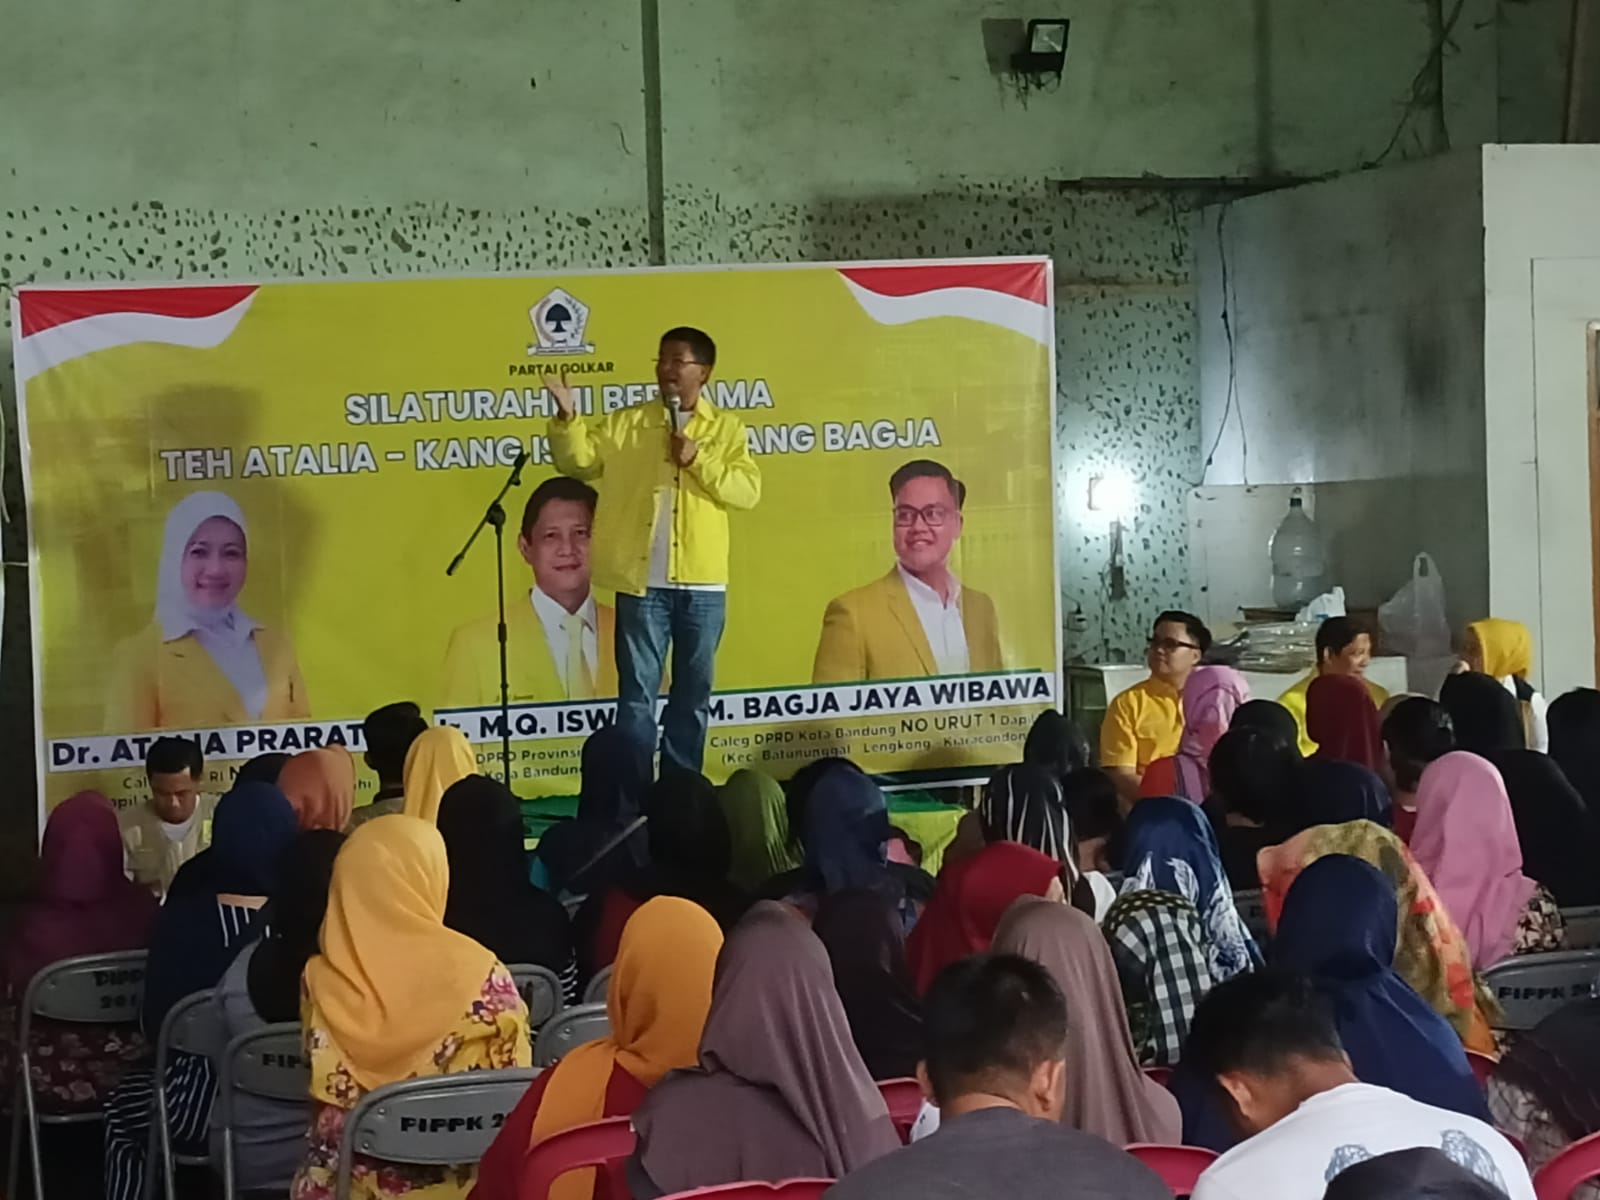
<point>1012,295</point>
<point>60,324</point>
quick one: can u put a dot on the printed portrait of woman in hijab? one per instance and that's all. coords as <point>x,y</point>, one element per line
<point>203,661</point>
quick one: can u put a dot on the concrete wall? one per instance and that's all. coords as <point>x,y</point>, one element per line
<point>1542,280</point>
<point>230,139</point>
<point>1356,307</point>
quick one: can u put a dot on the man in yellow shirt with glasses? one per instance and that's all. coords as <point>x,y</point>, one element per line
<point>1145,722</point>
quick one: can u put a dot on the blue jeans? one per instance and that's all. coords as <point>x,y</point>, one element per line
<point>691,620</point>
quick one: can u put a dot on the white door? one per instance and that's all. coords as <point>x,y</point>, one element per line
<point>1566,337</point>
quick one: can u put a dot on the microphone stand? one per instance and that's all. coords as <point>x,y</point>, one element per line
<point>496,515</point>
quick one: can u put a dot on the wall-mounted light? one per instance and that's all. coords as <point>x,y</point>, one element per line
<point>1112,494</point>
<point>1045,51</point>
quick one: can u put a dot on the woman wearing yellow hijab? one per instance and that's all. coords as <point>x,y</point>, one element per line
<point>1504,650</point>
<point>395,995</point>
<point>439,757</point>
<point>658,999</point>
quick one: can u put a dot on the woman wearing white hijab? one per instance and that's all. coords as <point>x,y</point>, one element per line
<point>203,661</point>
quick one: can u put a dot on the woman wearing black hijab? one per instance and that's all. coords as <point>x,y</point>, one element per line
<point>1320,791</point>
<point>1574,722</point>
<point>1056,743</point>
<point>490,898</point>
<point>1253,776</point>
<point>606,840</point>
<point>1560,837</point>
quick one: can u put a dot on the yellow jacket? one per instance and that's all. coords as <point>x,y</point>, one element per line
<point>1295,701</point>
<point>157,684</point>
<point>629,451</point>
<point>472,662</point>
<point>873,633</point>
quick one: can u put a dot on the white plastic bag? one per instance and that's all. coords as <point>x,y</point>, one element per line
<point>1413,621</point>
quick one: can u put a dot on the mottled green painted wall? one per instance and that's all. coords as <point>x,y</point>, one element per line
<point>181,139</point>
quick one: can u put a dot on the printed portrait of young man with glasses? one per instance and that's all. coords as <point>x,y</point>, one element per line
<point>918,619</point>
<point>1145,722</point>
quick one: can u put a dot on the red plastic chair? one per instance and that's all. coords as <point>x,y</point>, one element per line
<point>1178,1166</point>
<point>904,1098</point>
<point>1162,1075</point>
<point>1578,1163</point>
<point>603,1144</point>
<point>789,1189</point>
<point>1482,1067</point>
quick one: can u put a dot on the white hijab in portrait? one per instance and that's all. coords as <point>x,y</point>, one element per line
<point>224,633</point>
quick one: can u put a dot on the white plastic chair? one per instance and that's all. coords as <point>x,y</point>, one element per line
<point>1532,986</point>
<point>92,989</point>
<point>192,1026</point>
<point>443,1120</point>
<point>540,989</point>
<point>577,1025</point>
<point>270,1063</point>
<point>595,993</point>
<point>1583,927</point>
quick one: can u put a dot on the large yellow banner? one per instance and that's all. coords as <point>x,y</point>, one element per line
<point>243,500</point>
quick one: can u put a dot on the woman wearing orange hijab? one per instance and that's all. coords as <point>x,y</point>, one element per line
<point>659,995</point>
<point>321,786</point>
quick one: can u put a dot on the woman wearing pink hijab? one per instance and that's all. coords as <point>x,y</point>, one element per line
<point>1211,695</point>
<point>1466,841</point>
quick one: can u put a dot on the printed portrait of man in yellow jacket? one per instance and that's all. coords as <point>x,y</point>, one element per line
<point>202,661</point>
<point>560,641</point>
<point>918,619</point>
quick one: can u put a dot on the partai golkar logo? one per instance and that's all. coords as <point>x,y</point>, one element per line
<point>559,321</point>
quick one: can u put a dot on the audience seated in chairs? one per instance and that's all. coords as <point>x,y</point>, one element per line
<point>394,995</point>
<point>780,1091</point>
<point>687,839</point>
<point>659,994</point>
<point>1338,929</point>
<point>996,1033</point>
<point>1432,956</point>
<point>262,987</point>
<point>491,900</point>
<point>81,903</point>
<point>1273,1050</point>
<point>212,910</point>
<point>1560,838</point>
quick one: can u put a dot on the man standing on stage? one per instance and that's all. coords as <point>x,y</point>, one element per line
<point>669,472</point>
